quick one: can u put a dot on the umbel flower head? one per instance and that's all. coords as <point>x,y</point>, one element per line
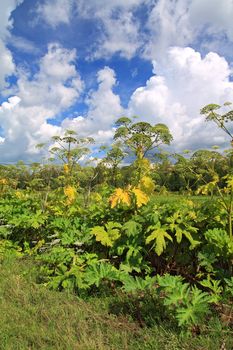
<point>70,193</point>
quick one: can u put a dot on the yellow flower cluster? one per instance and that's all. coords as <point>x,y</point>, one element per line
<point>66,169</point>
<point>70,193</point>
<point>19,194</point>
<point>3,182</point>
<point>147,185</point>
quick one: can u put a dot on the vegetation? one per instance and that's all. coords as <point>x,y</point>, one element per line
<point>149,243</point>
<point>33,317</point>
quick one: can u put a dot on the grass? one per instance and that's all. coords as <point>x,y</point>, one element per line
<point>33,317</point>
<point>172,197</point>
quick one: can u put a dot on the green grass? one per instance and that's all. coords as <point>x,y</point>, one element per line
<point>33,317</point>
<point>171,197</point>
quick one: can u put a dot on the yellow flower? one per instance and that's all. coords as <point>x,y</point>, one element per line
<point>19,194</point>
<point>70,193</point>
<point>3,182</point>
<point>147,185</point>
<point>66,168</point>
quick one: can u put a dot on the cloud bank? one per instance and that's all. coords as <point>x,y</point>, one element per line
<point>188,43</point>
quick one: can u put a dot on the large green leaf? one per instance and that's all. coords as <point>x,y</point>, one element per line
<point>158,235</point>
<point>108,235</point>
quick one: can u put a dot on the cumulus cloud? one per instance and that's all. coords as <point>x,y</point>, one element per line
<point>57,85</point>
<point>183,22</point>
<point>173,95</point>
<point>54,88</point>
<point>104,107</point>
<point>7,64</point>
<point>182,82</point>
<point>50,91</point>
<point>176,92</point>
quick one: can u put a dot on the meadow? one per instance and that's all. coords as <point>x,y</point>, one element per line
<point>117,257</point>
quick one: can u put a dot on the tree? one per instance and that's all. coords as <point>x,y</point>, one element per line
<point>162,169</point>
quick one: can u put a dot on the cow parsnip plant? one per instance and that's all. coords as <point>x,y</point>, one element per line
<point>90,234</point>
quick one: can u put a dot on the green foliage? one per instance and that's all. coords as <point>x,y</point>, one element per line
<point>9,248</point>
<point>214,286</point>
<point>190,304</point>
<point>220,242</point>
<point>158,235</point>
<point>131,228</point>
<point>89,237</point>
<point>135,284</point>
<point>96,273</point>
<point>181,224</point>
<point>108,235</point>
<point>50,320</point>
<point>195,308</point>
<point>229,286</point>
<point>29,220</point>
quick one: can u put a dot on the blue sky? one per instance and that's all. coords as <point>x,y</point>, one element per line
<point>82,64</point>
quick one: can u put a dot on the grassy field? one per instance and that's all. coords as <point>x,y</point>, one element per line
<point>33,317</point>
<point>174,197</point>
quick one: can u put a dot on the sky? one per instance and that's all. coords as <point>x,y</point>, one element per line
<point>81,65</point>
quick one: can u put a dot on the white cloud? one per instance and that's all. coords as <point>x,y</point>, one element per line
<point>168,25</point>
<point>55,87</point>
<point>182,82</point>
<point>10,104</point>
<point>24,117</point>
<point>183,85</point>
<point>120,30</point>
<point>7,7</point>
<point>120,35</point>
<point>207,23</point>
<point>215,15</point>
<point>120,27</point>
<point>23,45</point>
<point>55,12</point>
<point>104,107</point>
<point>7,66</point>
<point>91,7</point>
